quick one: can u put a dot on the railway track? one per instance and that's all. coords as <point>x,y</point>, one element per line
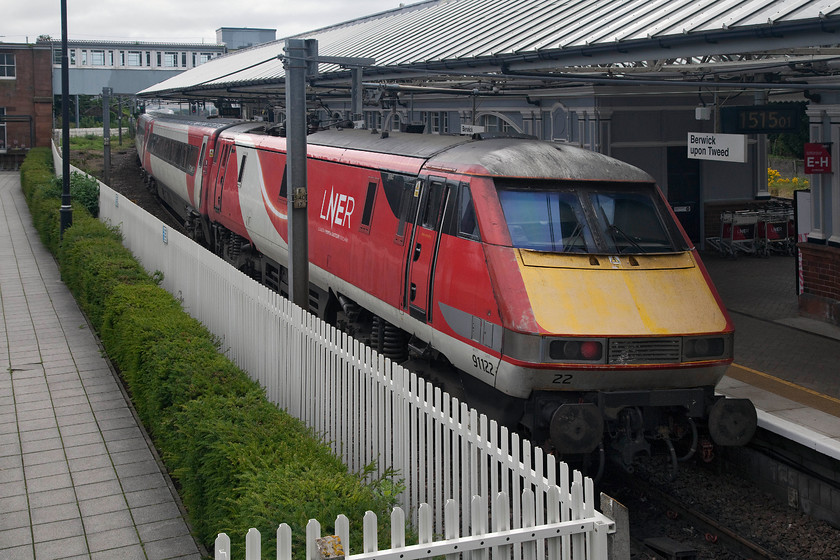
<point>718,537</point>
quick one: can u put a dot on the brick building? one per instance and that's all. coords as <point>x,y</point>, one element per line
<point>25,100</point>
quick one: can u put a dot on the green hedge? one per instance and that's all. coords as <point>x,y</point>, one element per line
<point>239,462</point>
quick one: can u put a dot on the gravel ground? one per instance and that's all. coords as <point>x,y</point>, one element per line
<point>731,500</point>
<point>126,180</point>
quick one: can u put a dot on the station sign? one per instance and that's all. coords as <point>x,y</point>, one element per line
<point>717,147</point>
<point>761,119</point>
<point>817,157</point>
<point>471,129</point>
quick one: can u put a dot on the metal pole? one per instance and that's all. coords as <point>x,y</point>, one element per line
<point>296,147</point>
<point>119,118</point>
<point>66,211</point>
<point>106,133</point>
<point>357,93</point>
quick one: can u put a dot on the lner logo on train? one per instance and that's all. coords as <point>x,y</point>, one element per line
<point>338,209</point>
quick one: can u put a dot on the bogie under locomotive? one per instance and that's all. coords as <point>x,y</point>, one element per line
<point>555,279</point>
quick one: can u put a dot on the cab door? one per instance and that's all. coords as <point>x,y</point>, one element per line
<point>220,177</point>
<point>199,173</point>
<point>433,194</point>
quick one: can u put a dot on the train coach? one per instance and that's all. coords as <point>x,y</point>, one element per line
<point>555,280</point>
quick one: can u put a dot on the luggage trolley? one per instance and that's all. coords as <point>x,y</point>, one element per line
<point>738,232</point>
<point>774,231</point>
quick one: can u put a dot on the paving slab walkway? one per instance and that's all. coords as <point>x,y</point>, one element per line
<point>78,478</point>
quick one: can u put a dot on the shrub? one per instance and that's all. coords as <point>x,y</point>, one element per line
<point>83,188</point>
<point>240,462</point>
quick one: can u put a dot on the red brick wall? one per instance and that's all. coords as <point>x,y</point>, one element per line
<point>821,278</point>
<point>29,93</point>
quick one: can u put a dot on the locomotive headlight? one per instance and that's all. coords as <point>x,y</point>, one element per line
<point>700,348</point>
<point>576,350</point>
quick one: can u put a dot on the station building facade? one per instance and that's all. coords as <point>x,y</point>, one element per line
<point>25,100</point>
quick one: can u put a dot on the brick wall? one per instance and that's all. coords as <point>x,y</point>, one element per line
<point>821,279</point>
<point>28,94</point>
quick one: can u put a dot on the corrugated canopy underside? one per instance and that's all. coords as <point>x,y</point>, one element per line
<point>492,33</point>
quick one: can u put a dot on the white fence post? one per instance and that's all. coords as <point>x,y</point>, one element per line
<point>313,532</point>
<point>253,545</point>
<point>222,547</point>
<point>284,542</point>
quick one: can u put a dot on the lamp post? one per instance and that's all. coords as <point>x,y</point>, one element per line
<point>66,212</point>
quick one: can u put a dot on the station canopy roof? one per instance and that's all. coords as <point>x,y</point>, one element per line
<point>499,44</point>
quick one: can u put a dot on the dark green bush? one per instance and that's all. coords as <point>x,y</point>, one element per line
<point>239,461</point>
<point>93,266</point>
<point>84,189</point>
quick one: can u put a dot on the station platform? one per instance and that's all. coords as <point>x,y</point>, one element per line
<point>79,478</point>
<point>785,364</point>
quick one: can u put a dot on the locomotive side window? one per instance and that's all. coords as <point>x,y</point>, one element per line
<point>241,170</point>
<point>284,184</point>
<point>367,214</point>
<point>405,206</point>
<point>467,223</point>
<point>431,208</point>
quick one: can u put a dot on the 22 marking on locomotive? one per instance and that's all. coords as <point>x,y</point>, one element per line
<point>483,365</point>
<point>563,378</point>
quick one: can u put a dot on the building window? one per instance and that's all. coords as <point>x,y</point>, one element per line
<point>374,119</point>
<point>84,58</point>
<point>439,122</point>
<point>135,58</point>
<point>72,55</point>
<point>158,59</point>
<point>170,59</point>
<point>183,60</point>
<point>57,55</point>
<point>97,58</point>
<point>494,123</point>
<point>204,57</point>
<point>148,58</point>
<point>110,58</point>
<point>7,65</point>
<point>122,58</point>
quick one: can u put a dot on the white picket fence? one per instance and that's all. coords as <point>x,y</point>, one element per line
<point>79,132</point>
<point>368,409</point>
<point>551,539</point>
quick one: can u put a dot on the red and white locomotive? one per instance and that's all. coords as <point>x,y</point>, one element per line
<point>555,279</point>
